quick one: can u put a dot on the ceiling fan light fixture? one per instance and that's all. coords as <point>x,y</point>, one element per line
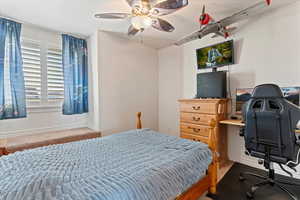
<point>141,22</point>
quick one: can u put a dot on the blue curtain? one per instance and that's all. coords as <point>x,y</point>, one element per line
<point>12,90</point>
<point>75,67</point>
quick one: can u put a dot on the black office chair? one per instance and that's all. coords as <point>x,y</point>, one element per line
<point>269,133</point>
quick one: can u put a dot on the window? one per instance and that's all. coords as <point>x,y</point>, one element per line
<point>55,79</point>
<point>31,54</point>
<point>43,73</point>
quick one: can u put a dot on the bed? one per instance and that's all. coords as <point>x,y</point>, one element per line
<point>139,164</point>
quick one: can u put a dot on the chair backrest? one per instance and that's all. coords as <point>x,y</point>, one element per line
<point>270,125</point>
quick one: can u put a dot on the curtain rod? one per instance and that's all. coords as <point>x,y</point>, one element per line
<point>44,28</point>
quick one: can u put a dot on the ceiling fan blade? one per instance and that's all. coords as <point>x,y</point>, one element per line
<point>131,2</point>
<point>172,4</point>
<point>162,25</point>
<point>132,31</point>
<point>112,15</point>
<point>168,7</point>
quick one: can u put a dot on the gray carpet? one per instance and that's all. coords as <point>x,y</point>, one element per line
<point>230,188</point>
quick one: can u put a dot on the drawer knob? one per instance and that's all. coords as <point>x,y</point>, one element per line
<point>197,130</point>
<point>196,108</point>
<point>196,119</point>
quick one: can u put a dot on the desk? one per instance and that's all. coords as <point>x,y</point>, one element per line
<point>236,122</point>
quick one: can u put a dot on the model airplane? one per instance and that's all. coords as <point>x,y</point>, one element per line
<point>220,28</point>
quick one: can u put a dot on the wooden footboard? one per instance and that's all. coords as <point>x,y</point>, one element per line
<point>209,182</point>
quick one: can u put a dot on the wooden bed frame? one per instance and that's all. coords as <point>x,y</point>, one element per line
<point>207,183</point>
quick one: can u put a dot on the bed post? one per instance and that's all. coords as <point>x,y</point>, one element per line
<point>139,122</point>
<point>213,168</point>
<point>209,182</point>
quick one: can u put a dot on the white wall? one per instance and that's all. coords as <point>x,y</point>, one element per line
<point>170,89</point>
<point>267,51</point>
<point>41,119</point>
<point>94,107</point>
<point>128,83</point>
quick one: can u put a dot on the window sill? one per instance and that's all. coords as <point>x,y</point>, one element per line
<point>44,108</point>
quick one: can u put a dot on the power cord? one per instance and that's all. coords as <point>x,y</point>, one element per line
<point>229,83</point>
<point>229,89</point>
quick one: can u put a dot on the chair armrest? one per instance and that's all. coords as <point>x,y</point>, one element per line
<point>297,134</point>
<point>242,131</point>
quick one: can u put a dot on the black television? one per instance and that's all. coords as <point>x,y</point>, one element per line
<point>291,94</point>
<point>212,85</point>
<point>218,55</point>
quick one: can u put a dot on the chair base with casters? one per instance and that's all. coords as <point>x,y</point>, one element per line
<point>267,181</point>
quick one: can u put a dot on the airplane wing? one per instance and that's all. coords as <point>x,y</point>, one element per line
<point>244,14</point>
<point>210,28</point>
<point>215,27</point>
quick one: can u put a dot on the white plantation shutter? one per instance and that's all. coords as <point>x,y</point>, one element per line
<point>31,54</point>
<point>55,79</point>
<point>43,73</point>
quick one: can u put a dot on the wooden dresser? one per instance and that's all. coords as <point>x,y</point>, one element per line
<point>195,115</point>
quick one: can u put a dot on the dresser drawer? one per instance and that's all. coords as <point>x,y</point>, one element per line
<point>198,107</point>
<point>200,130</point>
<point>194,137</point>
<point>196,118</point>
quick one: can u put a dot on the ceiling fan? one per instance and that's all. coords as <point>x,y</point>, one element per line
<point>146,13</point>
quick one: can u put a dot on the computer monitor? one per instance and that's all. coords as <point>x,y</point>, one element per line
<point>212,85</point>
<point>292,94</point>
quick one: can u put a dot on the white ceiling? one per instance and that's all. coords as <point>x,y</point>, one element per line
<point>76,16</point>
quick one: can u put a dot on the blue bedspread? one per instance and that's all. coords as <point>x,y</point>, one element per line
<point>134,165</point>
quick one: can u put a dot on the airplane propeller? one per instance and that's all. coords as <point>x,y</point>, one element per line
<point>202,16</point>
